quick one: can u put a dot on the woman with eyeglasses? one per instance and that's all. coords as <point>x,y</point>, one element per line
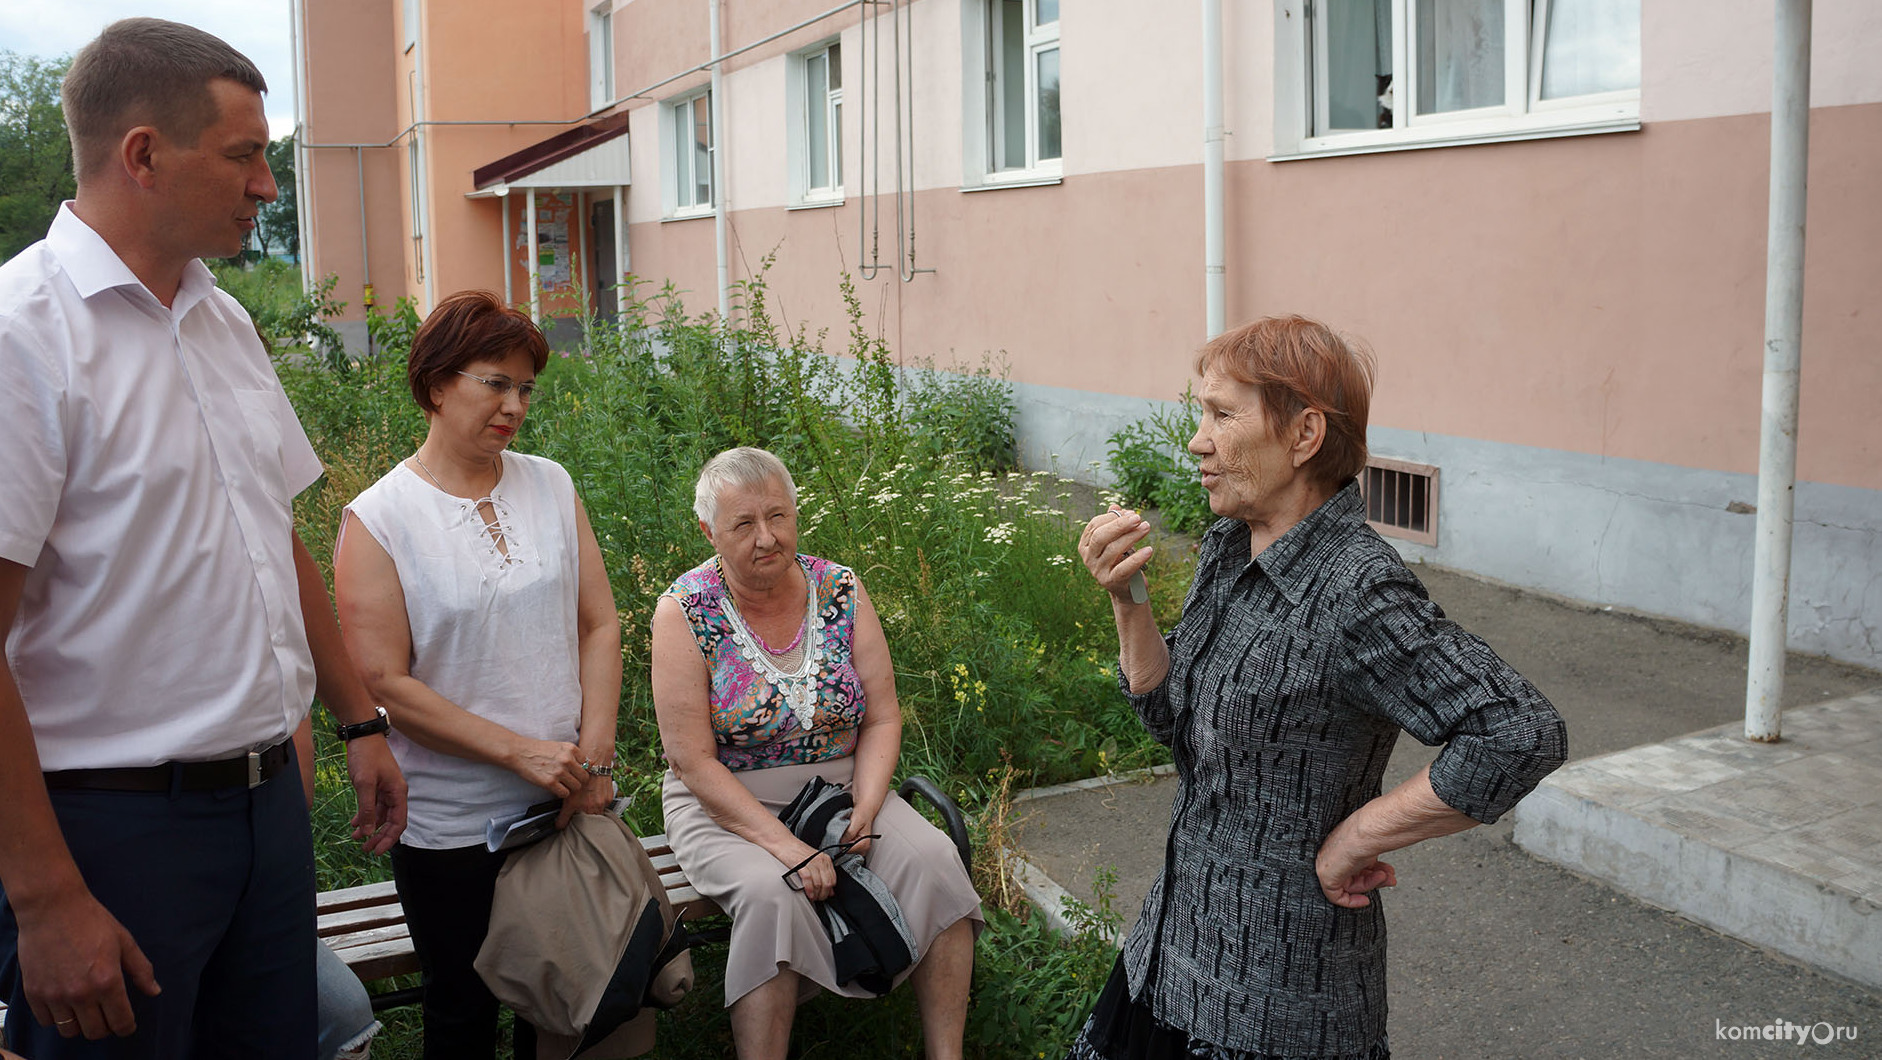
<point>475,604</point>
<point>770,669</point>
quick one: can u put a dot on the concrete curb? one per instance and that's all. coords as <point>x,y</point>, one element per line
<point>1772,906</point>
<point>1049,898</point>
<point>1135,776</point>
<point>1669,824</point>
<point>1042,890</point>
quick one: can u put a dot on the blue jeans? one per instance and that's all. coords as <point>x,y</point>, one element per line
<point>217,888</point>
<point>345,1010</point>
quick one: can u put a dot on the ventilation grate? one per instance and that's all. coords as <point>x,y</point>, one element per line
<point>1401,499</point>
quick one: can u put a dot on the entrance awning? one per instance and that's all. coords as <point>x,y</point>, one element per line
<point>584,160</point>
<point>588,156</point>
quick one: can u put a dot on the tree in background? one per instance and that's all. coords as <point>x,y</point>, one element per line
<point>279,231</point>
<point>35,155</point>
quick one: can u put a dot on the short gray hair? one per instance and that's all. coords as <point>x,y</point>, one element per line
<point>745,466</point>
<point>146,71</point>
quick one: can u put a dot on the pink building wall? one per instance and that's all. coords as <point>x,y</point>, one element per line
<point>1596,297</point>
<point>352,103</point>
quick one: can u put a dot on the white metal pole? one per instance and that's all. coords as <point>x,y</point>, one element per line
<point>1783,335</point>
<point>535,260</point>
<point>578,248</point>
<point>303,188</point>
<point>503,203</point>
<point>720,181</point>
<point>1214,267</point>
<point>621,256</point>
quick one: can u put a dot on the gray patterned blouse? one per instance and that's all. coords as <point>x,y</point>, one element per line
<point>1290,678</point>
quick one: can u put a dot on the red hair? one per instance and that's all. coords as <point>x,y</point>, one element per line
<point>1297,364</point>
<point>464,327</point>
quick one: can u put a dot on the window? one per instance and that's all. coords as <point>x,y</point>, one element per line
<point>814,125</point>
<point>1382,74</point>
<point>686,135</point>
<point>601,55</point>
<point>1013,130</point>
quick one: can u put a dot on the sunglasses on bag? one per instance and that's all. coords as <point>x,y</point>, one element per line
<point>835,850</point>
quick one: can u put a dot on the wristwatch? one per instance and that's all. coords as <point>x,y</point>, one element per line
<point>365,728</point>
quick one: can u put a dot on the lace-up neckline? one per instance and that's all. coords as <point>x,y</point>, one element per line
<point>499,543</point>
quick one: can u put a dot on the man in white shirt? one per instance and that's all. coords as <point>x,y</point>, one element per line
<point>165,627</point>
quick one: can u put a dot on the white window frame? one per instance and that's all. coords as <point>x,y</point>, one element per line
<point>982,116</point>
<point>1301,95</point>
<point>601,54</point>
<point>676,136</point>
<point>797,104</point>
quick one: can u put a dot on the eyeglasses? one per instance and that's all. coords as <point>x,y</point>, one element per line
<point>835,850</point>
<point>502,387</point>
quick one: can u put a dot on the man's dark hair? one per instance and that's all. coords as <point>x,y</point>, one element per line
<point>146,71</point>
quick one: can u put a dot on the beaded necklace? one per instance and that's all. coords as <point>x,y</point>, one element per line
<point>798,685</point>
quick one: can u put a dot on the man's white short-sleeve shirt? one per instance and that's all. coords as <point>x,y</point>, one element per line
<point>148,487</point>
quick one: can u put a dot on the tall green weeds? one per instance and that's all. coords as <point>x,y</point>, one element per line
<point>1154,468</point>
<point>1003,648</point>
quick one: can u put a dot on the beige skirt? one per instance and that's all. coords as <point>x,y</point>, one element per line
<point>774,927</point>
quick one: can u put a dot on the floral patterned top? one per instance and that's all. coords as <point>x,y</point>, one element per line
<point>753,725</point>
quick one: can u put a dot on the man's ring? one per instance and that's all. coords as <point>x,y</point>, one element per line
<point>63,1022</point>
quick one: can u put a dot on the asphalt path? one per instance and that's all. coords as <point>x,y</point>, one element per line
<point>1496,954</point>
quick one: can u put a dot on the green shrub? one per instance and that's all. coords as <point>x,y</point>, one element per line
<point>968,414</point>
<point>391,334</point>
<point>1154,468</point>
<point>270,290</point>
<point>1004,650</point>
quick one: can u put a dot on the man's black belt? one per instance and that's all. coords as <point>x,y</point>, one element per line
<point>243,771</point>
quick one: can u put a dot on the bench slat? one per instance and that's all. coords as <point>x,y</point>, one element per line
<point>355,897</point>
<point>365,926</point>
<point>382,960</point>
<point>350,920</point>
<point>340,944</point>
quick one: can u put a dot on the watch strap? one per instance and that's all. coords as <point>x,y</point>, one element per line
<point>371,727</point>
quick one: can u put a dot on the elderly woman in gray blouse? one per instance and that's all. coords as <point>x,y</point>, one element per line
<point>1305,646</point>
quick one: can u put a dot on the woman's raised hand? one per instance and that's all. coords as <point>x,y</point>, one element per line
<point>1109,548</point>
<point>551,765</point>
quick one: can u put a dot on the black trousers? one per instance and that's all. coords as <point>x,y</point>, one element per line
<point>217,888</point>
<point>1121,1028</point>
<point>447,895</point>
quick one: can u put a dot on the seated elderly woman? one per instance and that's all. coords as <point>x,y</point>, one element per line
<point>475,604</point>
<point>770,668</point>
<point>1304,648</point>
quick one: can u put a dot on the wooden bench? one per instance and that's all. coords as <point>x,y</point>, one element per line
<point>365,925</point>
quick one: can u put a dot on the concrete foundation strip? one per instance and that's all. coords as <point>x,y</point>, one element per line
<point>1042,890</point>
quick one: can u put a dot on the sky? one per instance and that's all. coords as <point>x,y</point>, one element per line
<point>259,29</point>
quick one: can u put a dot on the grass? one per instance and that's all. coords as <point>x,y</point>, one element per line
<point>1003,647</point>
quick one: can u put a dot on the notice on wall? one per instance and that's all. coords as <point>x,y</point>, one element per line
<point>554,260</point>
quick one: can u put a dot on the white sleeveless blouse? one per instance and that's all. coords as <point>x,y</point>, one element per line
<point>493,633</point>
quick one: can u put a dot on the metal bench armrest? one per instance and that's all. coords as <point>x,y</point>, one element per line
<point>950,815</point>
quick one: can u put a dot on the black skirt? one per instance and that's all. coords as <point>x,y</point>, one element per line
<point>1123,1029</point>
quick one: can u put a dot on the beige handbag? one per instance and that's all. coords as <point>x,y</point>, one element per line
<point>582,942</point>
